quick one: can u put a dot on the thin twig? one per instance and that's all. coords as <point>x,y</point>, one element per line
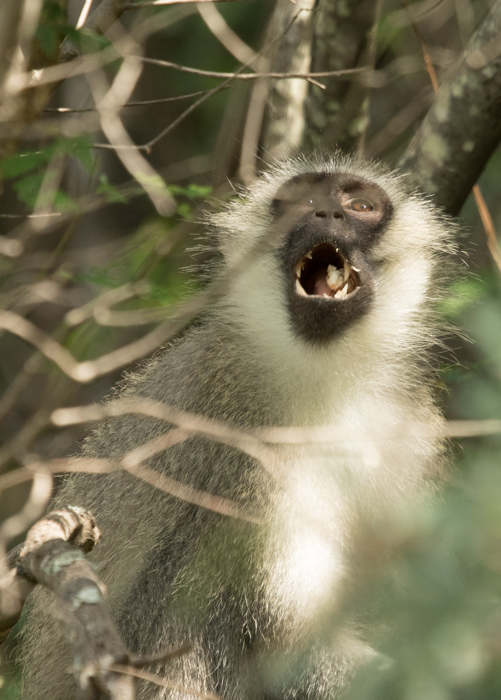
<point>88,465</point>
<point>155,678</point>
<point>158,3</point>
<point>116,133</point>
<point>488,224</point>
<point>253,76</point>
<point>139,103</point>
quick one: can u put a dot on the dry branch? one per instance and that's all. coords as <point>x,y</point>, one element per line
<point>99,21</point>
<point>72,526</point>
<point>53,555</point>
<point>254,76</point>
<point>139,5</point>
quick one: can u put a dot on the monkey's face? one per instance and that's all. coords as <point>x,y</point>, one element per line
<point>329,224</point>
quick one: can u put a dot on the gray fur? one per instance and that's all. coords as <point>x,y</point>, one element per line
<point>249,597</point>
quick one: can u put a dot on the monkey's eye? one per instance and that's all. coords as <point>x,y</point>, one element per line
<point>360,205</point>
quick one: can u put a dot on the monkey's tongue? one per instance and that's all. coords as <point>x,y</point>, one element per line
<point>320,286</point>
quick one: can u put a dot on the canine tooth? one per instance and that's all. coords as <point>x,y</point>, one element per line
<point>299,289</point>
<point>298,269</point>
<point>309,255</point>
<point>346,271</point>
<point>341,293</point>
<point>334,276</point>
<point>356,269</point>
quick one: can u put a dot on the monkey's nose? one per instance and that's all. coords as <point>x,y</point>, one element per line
<point>330,207</point>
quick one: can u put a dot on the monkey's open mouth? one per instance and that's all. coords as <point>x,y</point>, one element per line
<point>324,272</point>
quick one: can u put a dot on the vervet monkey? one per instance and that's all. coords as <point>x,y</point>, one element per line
<point>332,269</point>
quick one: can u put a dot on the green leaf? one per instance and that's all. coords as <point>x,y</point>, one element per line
<point>23,163</point>
<point>49,39</point>
<point>53,12</point>
<point>101,277</point>
<point>80,147</point>
<point>462,296</point>
<point>28,187</point>
<point>91,42</point>
<point>192,191</point>
<point>64,203</point>
<point>185,210</point>
<point>110,192</point>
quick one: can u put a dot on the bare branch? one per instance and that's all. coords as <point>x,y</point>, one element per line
<point>254,76</point>
<point>488,224</point>
<point>138,103</point>
<point>84,372</point>
<point>104,301</point>
<point>190,494</point>
<point>84,13</point>
<point>17,325</point>
<point>90,465</point>
<point>224,33</point>
<point>52,556</point>
<point>158,3</point>
<point>100,21</point>
<point>473,428</point>
<point>250,442</point>
<point>10,247</point>
<point>153,677</point>
<point>41,492</point>
<point>69,524</point>
<point>108,104</point>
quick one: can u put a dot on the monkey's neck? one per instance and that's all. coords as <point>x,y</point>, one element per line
<point>220,372</point>
<point>276,379</point>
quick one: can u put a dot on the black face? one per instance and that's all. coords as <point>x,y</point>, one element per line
<point>330,224</point>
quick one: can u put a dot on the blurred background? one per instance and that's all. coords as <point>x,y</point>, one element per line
<point>107,170</point>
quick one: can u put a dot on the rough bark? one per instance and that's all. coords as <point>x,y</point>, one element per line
<point>463,126</point>
<point>292,54</point>
<point>334,115</point>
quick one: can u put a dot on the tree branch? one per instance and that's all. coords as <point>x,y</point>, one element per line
<point>53,556</point>
<point>341,35</point>
<point>463,126</point>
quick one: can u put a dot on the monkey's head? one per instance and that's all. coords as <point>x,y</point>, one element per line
<point>329,222</point>
<point>323,249</point>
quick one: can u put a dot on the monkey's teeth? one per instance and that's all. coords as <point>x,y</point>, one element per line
<point>351,285</point>
<point>299,289</point>
<point>335,277</point>
<point>313,278</point>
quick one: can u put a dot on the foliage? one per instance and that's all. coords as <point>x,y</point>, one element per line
<point>99,232</point>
